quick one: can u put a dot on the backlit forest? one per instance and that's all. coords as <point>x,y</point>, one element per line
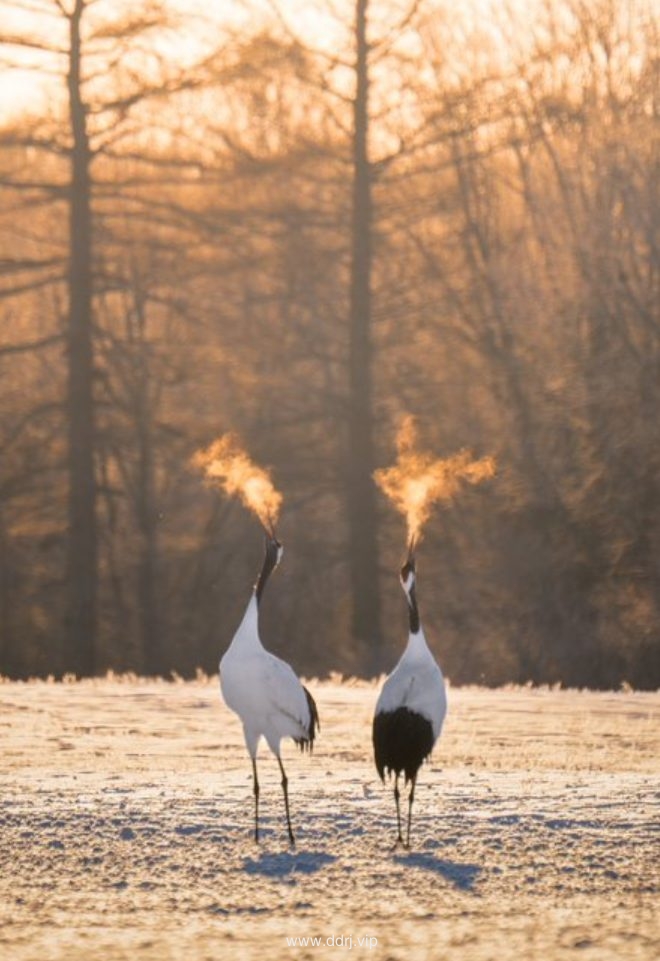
<point>301,230</point>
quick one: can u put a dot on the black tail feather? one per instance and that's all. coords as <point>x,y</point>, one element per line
<point>314,724</point>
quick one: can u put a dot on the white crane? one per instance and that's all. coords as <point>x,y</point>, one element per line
<point>264,691</point>
<point>411,707</point>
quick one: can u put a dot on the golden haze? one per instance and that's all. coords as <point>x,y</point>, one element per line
<point>417,480</point>
<point>225,464</point>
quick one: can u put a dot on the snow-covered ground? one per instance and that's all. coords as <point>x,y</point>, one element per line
<point>126,819</point>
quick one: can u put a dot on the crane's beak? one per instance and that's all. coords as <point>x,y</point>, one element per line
<point>408,569</point>
<point>272,539</point>
<point>412,545</point>
<point>269,529</point>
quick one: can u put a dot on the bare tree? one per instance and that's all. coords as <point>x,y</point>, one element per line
<point>363,529</point>
<point>89,44</point>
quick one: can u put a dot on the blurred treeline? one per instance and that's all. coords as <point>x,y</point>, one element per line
<point>301,232</point>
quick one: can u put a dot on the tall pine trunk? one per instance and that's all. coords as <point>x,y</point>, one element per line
<point>147,575</point>
<point>366,626</point>
<point>82,544</point>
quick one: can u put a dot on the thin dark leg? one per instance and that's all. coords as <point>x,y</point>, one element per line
<point>256,799</point>
<point>285,782</point>
<point>399,839</point>
<point>411,797</point>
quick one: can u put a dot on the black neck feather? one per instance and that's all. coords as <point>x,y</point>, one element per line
<point>269,564</point>
<point>413,611</point>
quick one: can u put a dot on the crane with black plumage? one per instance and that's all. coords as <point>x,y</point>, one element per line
<point>411,707</point>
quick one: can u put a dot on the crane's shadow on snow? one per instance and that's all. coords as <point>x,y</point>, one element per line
<point>462,876</point>
<point>284,863</point>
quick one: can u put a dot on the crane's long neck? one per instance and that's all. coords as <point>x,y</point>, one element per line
<point>417,646</point>
<point>247,635</point>
<point>413,610</point>
<point>269,564</point>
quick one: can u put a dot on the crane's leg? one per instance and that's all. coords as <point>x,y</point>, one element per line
<point>411,797</point>
<point>256,799</point>
<point>399,839</point>
<point>285,784</point>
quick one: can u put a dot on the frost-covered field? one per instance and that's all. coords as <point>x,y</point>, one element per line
<point>126,815</point>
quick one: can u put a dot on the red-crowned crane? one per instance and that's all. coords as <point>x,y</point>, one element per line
<point>411,707</point>
<point>264,691</point>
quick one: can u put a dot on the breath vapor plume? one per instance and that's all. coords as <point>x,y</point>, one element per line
<point>417,480</point>
<point>225,464</point>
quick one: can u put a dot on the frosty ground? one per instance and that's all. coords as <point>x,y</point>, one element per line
<point>126,815</point>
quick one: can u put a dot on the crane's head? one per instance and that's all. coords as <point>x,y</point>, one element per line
<point>279,550</point>
<point>408,584</point>
<point>273,556</point>
<point>274,549</point>
<point>407,574</point>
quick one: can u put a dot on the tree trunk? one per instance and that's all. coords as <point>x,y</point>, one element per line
<point>366,626</point>
<point>7,595</point>
<point>150,633</point>
<point>80,655</point>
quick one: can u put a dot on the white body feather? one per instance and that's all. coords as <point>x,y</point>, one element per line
<point>262,689</point>
<point>416,683</point>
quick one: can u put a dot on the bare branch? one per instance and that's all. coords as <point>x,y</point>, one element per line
<point>32,6</point>
<point>384,45</point>
<point>315,51</point>
<point>30,345</point>
<point>31,43</point>
<point>32,285</point>
<point>12,265</point>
